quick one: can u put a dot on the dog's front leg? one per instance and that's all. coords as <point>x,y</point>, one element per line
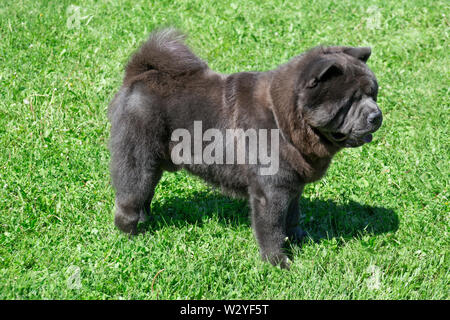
<point>269,210</point>
<point>293,230</point>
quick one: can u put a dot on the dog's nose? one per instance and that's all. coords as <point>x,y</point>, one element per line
<point>375,118</point>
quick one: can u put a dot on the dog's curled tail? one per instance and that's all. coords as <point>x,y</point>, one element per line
<point>166,52</point>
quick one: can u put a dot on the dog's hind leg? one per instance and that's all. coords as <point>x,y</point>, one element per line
<point>133,201</point>
<point>144,213</point>
<point>135,167</point>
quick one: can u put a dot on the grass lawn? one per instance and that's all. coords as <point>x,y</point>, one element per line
<point>378,222</point>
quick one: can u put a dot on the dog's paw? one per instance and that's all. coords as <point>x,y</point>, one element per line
<point>285,263</point>
<point>278,259</point>
<point>124,223</point>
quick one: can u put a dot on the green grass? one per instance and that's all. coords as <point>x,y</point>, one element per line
<point>378,222</point>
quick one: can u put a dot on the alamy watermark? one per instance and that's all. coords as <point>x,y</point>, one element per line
<point>234,146</point>
<point>73,280</point>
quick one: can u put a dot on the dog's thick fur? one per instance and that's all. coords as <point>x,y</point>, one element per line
<point>321,101</point>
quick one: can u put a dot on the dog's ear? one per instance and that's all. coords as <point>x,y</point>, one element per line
<point>322,70</point>
<point>360,53</point>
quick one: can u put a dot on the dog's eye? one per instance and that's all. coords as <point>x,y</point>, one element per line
<point>374,94</point>
<point>373,91</point>
<point>312,83</point>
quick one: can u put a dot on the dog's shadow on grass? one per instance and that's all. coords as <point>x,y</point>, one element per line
<point>321,219</point>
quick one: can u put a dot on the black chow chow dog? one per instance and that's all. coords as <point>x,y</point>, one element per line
<point>319,102</point>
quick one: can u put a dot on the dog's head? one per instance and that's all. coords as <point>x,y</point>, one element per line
<point>338,93</point>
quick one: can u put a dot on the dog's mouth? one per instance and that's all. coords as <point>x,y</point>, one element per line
<point>358,141</point>
<point>367,138</point>
<point>338,136</point>
<point>348,140</point>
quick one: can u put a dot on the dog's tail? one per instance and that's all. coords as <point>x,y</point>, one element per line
<point>166,52</point>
